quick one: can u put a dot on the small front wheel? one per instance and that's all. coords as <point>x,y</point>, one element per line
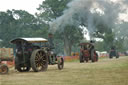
<point>117,55</point>
<point>60,63</point>
<point>96,57</point>
<point>4,69</point>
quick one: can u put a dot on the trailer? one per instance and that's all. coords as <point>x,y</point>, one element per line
<point>6,54</point>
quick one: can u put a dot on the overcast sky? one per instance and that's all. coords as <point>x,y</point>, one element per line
<point>28,5</point>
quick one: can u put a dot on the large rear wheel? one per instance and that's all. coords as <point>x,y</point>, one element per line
<point>117,55</point>
<point>110,55</point>
<point>92,56</point>
<point>39,60</point>
<point>81,59</point>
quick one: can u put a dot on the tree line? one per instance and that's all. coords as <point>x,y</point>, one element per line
<point>20,23</point>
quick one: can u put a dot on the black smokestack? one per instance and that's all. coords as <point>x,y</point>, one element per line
<point>50,40</point>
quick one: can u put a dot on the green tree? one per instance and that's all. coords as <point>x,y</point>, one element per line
<point>51,9</point>
<point>6,28</point>
<point>121,33</point>
<point>108,38</point>
<point>19,23</point>
<point>70,35</point>
<point>28,25</point>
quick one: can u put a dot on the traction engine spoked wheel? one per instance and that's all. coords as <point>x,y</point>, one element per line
<point>92,56</point>
<point>86,59</point>
<point>4,69</point>
<point>81,59</point>
<point>39,61</point>
<point>60,63</point>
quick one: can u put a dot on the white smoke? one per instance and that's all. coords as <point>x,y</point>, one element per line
<point>72,15</point>
<point>85,12</point>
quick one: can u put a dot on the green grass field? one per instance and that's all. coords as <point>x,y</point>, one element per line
<point>105,72</point>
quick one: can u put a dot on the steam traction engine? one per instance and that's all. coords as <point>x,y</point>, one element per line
<point>35,53</point>
<point>86,54</point>
<point>113,53</point>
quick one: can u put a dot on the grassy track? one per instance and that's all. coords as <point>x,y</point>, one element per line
<point>104,72</point>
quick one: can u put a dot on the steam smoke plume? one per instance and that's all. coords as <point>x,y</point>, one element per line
<point>84,12</point>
